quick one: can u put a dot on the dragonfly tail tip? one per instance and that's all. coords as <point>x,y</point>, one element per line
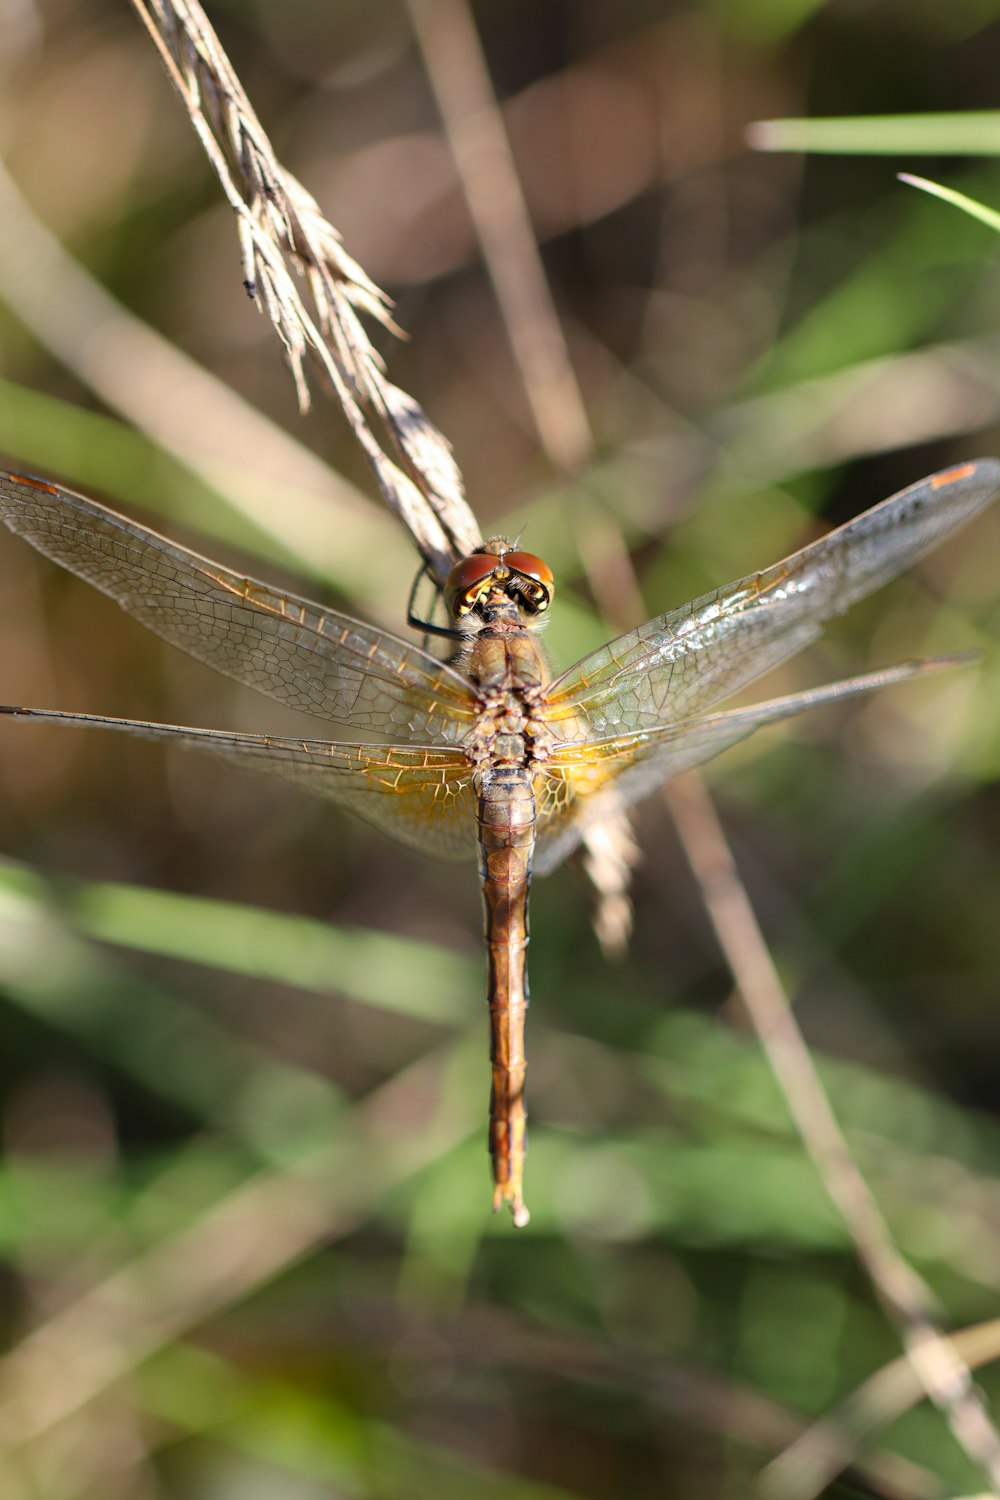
<point>515,1202</point>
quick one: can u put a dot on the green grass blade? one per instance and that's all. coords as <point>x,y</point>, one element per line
<point>970,133</point>
<point>959,200</point>
<point>374,968</point>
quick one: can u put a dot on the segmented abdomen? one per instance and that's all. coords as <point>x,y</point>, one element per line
<point>506,841</point>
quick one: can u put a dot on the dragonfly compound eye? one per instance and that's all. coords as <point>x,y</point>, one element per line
<point>537,584</point>
<point>467,582</point>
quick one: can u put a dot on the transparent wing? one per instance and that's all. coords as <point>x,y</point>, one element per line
<point>422,796</point>
<point>685,661</point>
<point>582,780</point>
<point>311,658</point>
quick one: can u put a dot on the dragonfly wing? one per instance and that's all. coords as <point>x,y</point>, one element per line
<point>583,780</point>
<point>422,796</point>
<point>311,658</point>
<point>685,661</point>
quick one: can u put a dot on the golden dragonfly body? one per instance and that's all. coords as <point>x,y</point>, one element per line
<point>492,751</point>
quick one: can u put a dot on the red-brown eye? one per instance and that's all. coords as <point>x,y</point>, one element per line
<point>531,566</point>
<point>467,580</point>
<point>538,584</point>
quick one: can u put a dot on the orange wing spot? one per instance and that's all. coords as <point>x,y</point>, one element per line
<point>35,484</point>
<point>260,595</point>
<point>757,590</point>
<point>952,476</point>
<point>239,590</point>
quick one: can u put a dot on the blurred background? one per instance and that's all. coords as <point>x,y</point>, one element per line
<point>244,1202</point>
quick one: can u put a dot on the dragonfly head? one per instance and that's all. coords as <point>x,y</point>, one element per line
<point>489,581</point>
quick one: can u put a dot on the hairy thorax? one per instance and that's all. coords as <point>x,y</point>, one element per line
<point>509,670</point>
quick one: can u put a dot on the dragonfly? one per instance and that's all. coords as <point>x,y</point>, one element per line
<point>490,752</point>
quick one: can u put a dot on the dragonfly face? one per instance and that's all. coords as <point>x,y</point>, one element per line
<point>481,582</point>
<point>492,755</point>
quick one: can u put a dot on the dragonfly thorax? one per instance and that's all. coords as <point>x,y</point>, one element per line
<point>509,672</point>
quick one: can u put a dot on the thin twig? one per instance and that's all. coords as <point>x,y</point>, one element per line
<point>285,240</point>
<point>807,1466</point>
<point>909,1302</point>
<point>457,70</point>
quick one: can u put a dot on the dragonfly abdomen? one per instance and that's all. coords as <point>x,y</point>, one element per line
<point>506,841</point>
